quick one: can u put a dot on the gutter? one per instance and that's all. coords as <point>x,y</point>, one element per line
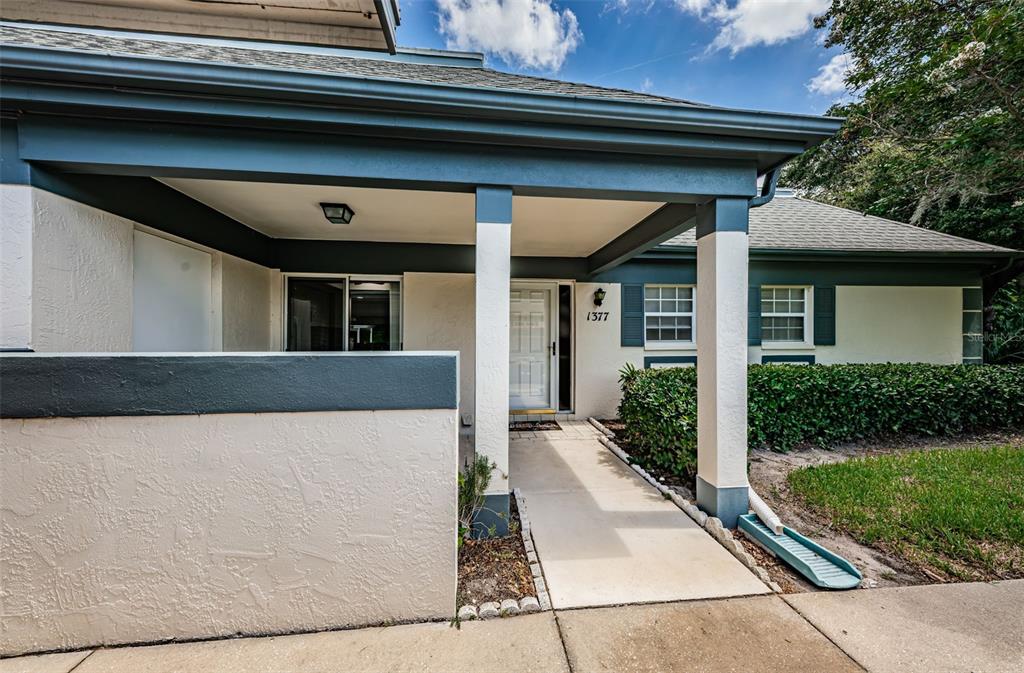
<point>767,188</point>
<point>55,65</point>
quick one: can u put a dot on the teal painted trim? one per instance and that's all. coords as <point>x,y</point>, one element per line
<point>792,359</point>
<point>13,171</point>
<point>334,116</point>
<point>824,315</point>
<point>632,315</point>
<point>33,63</point>
<point>972,322</point>
<point>793,254</point>
<point>670,220</point>
<point>728,504</point>
<point>973,300</point>
<point>723,214</point>
<point>173,385</point>
<point>495,512</point>
<point>974,347</point>
<point>669,360</point>
<point>158,150</point>
<point>494,204</point>
<point>830,273</point>
<point>754,316</point>
<point>821,566</point>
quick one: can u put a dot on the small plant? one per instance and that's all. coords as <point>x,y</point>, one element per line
<point>474,479</point>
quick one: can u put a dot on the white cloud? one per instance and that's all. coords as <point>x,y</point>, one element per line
<point>647,85</point>
<point>748,23</point>
<point>527,33</point>
<point>831,77</point>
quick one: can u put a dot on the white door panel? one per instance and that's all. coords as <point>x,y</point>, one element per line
<point>529,348</point>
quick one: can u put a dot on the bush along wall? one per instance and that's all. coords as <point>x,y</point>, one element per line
<point>822,405</point>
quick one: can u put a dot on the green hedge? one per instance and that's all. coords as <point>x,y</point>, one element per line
<point>821,405</point>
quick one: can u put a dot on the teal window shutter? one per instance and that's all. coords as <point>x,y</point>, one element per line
<point>633,315</point>
<point>824,316</point>
<point>754,316</point>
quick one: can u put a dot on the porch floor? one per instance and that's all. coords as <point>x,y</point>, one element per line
<point>606,537</point>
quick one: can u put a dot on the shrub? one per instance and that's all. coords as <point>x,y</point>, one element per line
<point>474,479</point>
<point>822,405</point>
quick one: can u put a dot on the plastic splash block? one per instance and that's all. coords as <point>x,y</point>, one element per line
<point>822,567</point>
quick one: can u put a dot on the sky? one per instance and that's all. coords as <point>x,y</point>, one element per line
<point>755,54</point>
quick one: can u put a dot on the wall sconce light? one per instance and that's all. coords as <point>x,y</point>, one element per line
<point>599,295</point>
<point>337,213</point>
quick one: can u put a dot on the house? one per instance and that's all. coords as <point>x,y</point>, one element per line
<point>221,207</point>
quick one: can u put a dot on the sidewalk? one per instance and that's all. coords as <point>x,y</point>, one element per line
<point>962,627</point>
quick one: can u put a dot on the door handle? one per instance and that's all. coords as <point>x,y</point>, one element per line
<point>553,353</point>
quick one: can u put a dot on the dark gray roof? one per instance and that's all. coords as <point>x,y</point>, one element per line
<point>383,68</point>
<point>793,223</point>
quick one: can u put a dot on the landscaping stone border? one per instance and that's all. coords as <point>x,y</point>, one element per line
<point>510,606</point>
<point>713,525</point>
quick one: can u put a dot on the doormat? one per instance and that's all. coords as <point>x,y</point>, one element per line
<point>527,426</point>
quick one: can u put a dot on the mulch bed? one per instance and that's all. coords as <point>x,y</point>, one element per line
<point>494,569</point>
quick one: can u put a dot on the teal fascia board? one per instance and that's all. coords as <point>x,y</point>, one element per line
<point>134,148</point>
<point>34,63</point>
<point>670,220</point>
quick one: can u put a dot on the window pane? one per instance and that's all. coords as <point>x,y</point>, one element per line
<point>782,329</point>
<point>651,293</point>
<point>316,314</point>
<point>373,325</point>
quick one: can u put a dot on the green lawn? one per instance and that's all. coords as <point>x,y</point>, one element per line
<point>956,511</point>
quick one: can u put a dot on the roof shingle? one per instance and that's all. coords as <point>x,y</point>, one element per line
<point>309,61</point>
<point>793,223</point>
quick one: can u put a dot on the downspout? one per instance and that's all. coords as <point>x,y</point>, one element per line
<point>767,188</point>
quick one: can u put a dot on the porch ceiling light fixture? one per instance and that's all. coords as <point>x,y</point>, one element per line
<point>337,213</point>
<point>599,295</point>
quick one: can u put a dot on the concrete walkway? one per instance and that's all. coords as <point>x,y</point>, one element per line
<point>604,536</point>
<point>962,627</point>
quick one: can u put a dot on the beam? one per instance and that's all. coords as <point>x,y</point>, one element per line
<point>158,150</point>
<point>670,220</point>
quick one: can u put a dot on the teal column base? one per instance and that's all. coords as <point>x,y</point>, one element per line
<point>494,513</point>
<point>728,504</point>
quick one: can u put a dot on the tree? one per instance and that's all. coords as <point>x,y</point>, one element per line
<point>934,130</point>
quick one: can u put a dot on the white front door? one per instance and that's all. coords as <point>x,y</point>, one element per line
<point>530,347</point>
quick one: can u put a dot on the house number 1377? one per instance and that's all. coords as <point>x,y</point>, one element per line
<point>597,316</point>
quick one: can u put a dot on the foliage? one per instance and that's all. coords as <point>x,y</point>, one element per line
<point>821,405</point>
<point>474,479</point>
<point>1005,342</point>
<point>934,133</point>
<point>958,510</point>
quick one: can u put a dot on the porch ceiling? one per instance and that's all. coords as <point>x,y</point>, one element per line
<point>541,226</point>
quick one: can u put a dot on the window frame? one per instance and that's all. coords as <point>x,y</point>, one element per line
<point>348,278</point>
<point>678,344</point>
<point>807,315</point>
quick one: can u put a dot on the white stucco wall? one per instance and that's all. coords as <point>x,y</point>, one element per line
<point>599,353</point>
<point>896,324</point>
<point>15,266</point>
<point>81,277</point>
<point>134,529</point>
<point>437,314</point>
<point>246,296</point>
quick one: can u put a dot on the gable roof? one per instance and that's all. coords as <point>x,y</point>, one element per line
<point>792,223</point>
<point>370,65</point>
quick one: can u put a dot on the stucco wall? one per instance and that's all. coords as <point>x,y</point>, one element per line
<point>246,305</point>
<point>15,266</point>
<point>896,324</point>
<point>437,314</point>
<point>132,529</point>
<point>81,277</point>
<point>599,353</point>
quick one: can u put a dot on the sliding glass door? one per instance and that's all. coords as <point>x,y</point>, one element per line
<point>337,314</point>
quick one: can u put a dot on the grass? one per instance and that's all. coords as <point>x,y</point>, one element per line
<point>956,511</point>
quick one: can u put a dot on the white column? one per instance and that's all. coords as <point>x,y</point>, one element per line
<point>722,358</point>
<point>493,277</point>
<point>16,218</point>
